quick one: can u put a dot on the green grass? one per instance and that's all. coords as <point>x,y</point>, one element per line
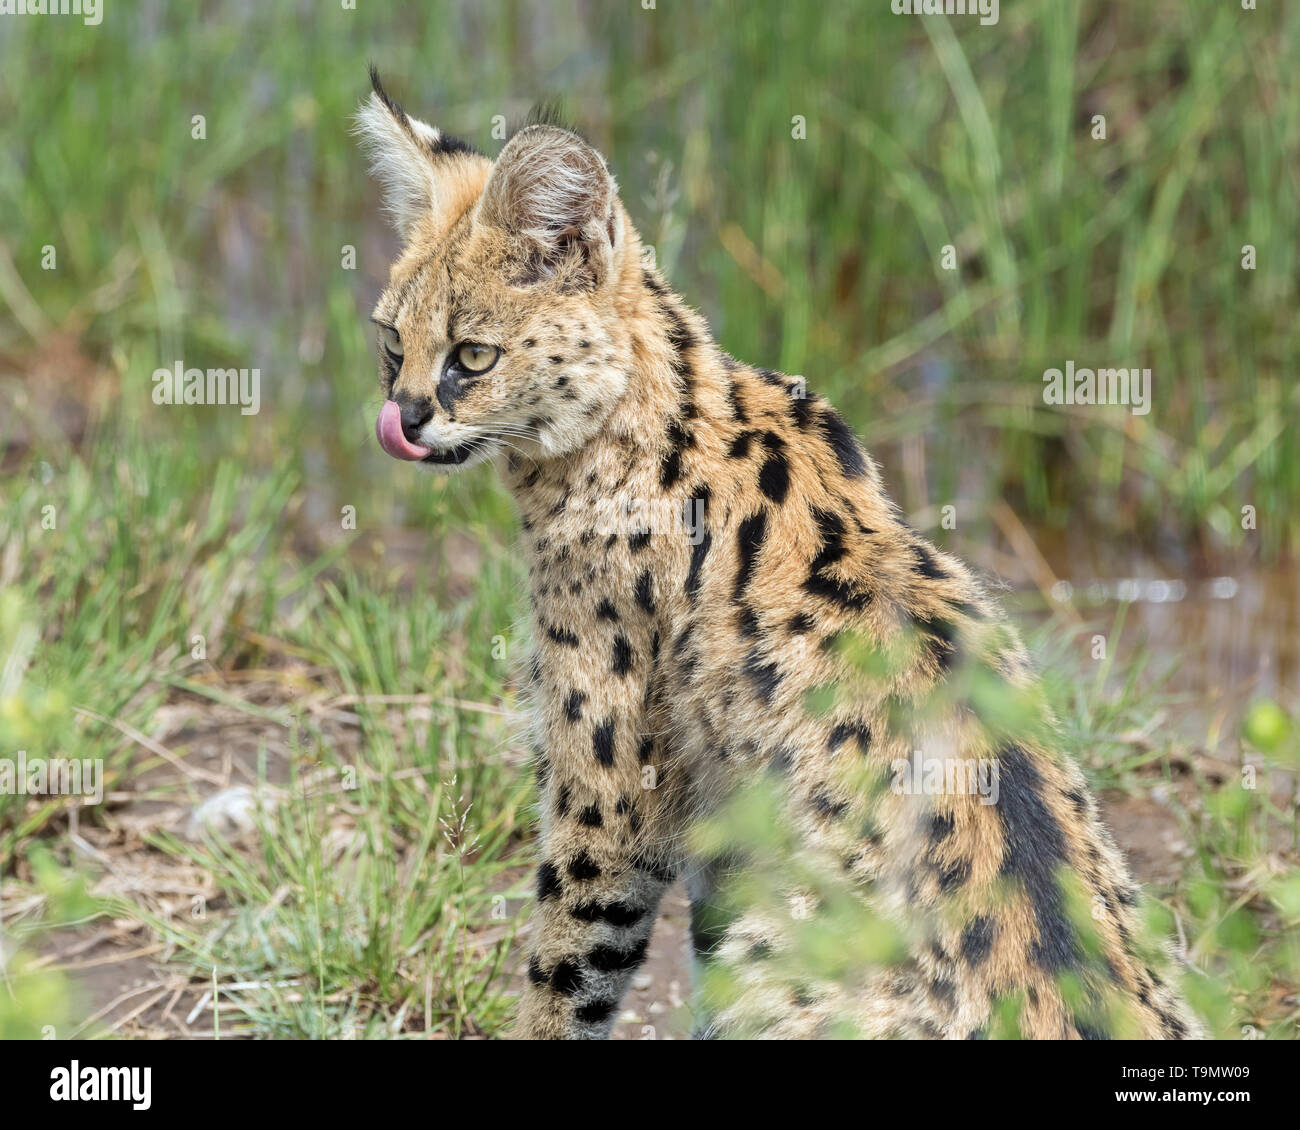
<point>819,256</point>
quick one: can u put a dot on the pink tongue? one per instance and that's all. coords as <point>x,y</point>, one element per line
<point>388,430</point>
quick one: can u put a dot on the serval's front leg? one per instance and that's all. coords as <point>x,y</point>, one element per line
<point>602,869</point>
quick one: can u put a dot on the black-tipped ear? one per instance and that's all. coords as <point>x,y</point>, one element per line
<point>407,156</point>
<point>551,190</point>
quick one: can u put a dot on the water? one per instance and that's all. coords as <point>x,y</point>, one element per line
<point>1224,636</point>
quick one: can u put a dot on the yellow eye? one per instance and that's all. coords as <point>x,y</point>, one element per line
<point>392,340</point>
<point>476,358</point>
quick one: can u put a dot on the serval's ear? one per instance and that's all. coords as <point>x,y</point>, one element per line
<point>421,170</point>
<point>552,193</point>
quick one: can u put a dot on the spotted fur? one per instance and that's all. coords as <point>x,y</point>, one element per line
<point>673,660</point>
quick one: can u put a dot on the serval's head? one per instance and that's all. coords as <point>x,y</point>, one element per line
<point>497,330</point>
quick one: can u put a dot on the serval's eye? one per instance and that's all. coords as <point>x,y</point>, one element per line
<point>476,358</point>
<point>392,340</point>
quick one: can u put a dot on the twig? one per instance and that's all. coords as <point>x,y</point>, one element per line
<point>191,771</point>
<point>1040,571</point>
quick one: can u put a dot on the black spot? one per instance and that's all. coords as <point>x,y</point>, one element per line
<point>801,408</point>
<point>825,805</point>
<point>828,588</point>
<point>739,448</point>
<point>590,817</point>
<point>683,640</point>
<point>738,412</point>
<point>819,583</point>
<point>749,537</point>
<point>638,541</point>
<point>830,529</point>
<point>566,978</point>
<point>603,742</point>
<point>942,989</point>
<point>548,881</point>
<point>562,802</point>
<point>605,610</point>
<point>940,639</point>
<point>699,551</point>
<point>615,913</point>
<point>584,867</point>
<point>803,998</point>
<point>535,973</point>
<point>679,334</point>
<point>953,875</point>
<point>977,939</point>
<point>644,750</point>
<point>747,621</point>
<point>843,442</point>
<point>941,826</point>
<point>845,730</point>
<point>609,959</point>
<point>830,642</point>
<point>765,676</point>
<point>1034,849</point>
<point>781,761</point>
<point>645,592</point>
<point>801,622</point>
<point>561,635</point>
<point>622,655</point>
<point>774,477</point>
<point>670,465</point>
<point>594,1012</point>
<point>926,564</point>
<point>573,708</point>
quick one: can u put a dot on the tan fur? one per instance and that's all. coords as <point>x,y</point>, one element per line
<point>665,673</point>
